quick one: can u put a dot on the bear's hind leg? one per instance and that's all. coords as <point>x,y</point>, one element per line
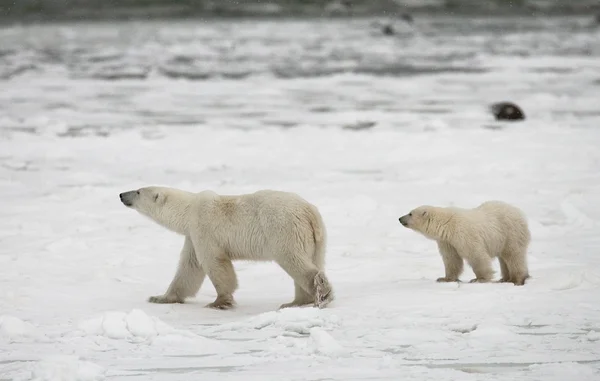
<point>301,298</point>
<point>453,263</point>
<point>221,273</point>
<point>312,281</point>
<point>323,290</point>
<point>188,278</point>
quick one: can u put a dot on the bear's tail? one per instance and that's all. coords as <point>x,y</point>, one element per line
<point>320,237</point>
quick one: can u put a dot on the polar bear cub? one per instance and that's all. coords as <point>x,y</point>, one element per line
<point>493,229</point>
<point>263,226</point>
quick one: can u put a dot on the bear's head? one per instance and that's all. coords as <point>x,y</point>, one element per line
<point>144,200</point>
<point>166,206</point>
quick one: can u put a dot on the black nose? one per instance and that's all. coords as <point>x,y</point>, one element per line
<point>121,196</point>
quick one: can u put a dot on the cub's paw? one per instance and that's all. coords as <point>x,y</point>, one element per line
<point>164,299</point>
<point>479,280</point>
<point>445,280</point>
<point>519,281</point>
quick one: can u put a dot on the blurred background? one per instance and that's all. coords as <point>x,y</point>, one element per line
<point>156,58</point>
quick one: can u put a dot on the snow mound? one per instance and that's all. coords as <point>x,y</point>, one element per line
<point>137,327</point>
<point>290,320</point>
<point>318,343</point>
<point>134,326</point>
<point>593,336</point>
<point>495,334</point>
<point>322,342</point>
<point>67,368</point>
<point>576,279</point>
<point>13,329</point>
<point>575,216</point>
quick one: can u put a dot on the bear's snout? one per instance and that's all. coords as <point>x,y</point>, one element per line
<point>403,220</point>
<point>128,197</point>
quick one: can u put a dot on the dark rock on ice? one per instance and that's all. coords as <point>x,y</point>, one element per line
<point>507,111</point>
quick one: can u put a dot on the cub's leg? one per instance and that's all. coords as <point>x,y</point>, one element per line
<point>504,271</point>
<point>453,263</point>
<point>516,264</point>
<point>188,278</point>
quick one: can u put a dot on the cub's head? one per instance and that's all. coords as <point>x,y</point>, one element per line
<point>417,218</point>
<point>145,200</point>
<point>431,221</point>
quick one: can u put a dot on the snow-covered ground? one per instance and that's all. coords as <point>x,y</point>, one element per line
<point>76,266</point>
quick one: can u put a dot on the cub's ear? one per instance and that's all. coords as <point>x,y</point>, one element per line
<point>424,213</point>
<point>156,195</point>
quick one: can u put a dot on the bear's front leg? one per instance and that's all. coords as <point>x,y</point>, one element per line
<point>453,263</point>
<point>188,278</point>
<point>221,273</point>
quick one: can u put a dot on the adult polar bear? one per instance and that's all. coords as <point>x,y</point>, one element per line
<point>493,229</point>
<point>263,226</point>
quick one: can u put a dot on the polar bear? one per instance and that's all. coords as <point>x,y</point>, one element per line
<point>493,229</point>
<point>263,226</point>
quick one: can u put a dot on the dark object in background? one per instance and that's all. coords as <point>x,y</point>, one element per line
<point>408,17</point>
<point>507,111</point>
<point>388,30</point>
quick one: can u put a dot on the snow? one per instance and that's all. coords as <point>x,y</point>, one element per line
<point>67,368</point>
<point>76,267</point>
<point>13,328</point>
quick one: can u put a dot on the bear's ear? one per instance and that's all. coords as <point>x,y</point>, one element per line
<point>160,198</point>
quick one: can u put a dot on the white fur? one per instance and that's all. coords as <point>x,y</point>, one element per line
<point>493,229</point>
<point>218,229</point>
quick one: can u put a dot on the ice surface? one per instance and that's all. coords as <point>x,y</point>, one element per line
<point>76,267</point>
<point>67,368</point>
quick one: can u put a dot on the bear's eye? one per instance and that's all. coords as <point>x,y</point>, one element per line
<point>156,197</point>
<point>424,213</point>
<point>410,214</point>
